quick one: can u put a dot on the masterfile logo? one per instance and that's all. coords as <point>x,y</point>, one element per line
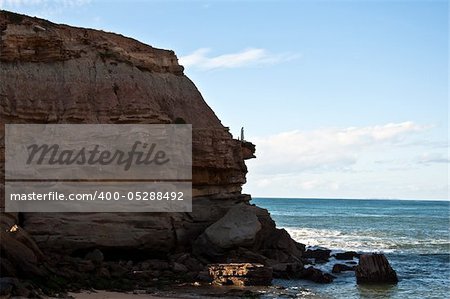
<point>54,155</point>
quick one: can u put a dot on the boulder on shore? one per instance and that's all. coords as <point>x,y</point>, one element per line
<point>375,268</point>
<point>348,255</point>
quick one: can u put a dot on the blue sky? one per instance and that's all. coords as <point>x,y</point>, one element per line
<point>344,99</point>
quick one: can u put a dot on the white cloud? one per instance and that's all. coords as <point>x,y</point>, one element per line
<point>248,57</point>
<point>325,149</point>
<point>379,161</point>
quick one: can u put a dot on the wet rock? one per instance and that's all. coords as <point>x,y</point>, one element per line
<point>316,275</point>
<point>375,268</point>
<point>348,255</point>
<point>277,244</point>
<point>338,268</point>
<point>319,255</point>
<point>243,274</point>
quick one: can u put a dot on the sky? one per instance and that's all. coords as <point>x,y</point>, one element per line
<point>343,99</point>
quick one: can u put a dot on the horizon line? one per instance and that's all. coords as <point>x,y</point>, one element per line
<point>338,198</point>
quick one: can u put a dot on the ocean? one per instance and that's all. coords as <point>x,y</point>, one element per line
<point>414,235</point>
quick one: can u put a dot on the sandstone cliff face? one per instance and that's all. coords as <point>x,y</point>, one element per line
<point>60,74</point>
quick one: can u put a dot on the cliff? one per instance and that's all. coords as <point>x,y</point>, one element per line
<point>53,73</point>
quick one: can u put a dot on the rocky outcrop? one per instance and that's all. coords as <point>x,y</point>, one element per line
<point>247,233</point>
<point>61,74</point>
<point>375,268</point>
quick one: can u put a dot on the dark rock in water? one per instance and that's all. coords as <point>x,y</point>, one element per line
<point>338,268</point>
<point>351,263</point>
<point>348,255</point>
<point>244,274</point>
<point>316,275</point>
<point>375,268</point>
<point>318,254</point>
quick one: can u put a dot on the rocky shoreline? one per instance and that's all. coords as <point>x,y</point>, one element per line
<point>54,73</point>
<point>182,276</point>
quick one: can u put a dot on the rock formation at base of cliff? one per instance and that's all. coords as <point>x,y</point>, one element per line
<point>54,73</point>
